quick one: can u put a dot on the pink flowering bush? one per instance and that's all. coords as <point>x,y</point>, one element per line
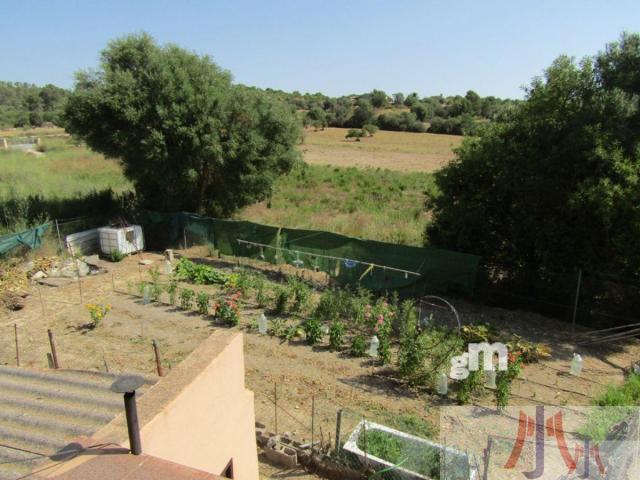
<point>380,317</point>
<point>228,311</point>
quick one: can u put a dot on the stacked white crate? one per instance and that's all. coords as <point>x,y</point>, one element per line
<point>124,239</point>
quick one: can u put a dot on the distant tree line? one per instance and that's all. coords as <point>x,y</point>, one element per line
<point>27,105</point>
<point>456,115</point>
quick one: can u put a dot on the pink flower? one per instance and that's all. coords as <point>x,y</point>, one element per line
<point>380,318</point>
<point>375,329</point>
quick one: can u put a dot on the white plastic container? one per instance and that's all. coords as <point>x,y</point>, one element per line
<point>373,346</point>
<point>443,384</point>
<point>124,239</point>
<point>576,365</point>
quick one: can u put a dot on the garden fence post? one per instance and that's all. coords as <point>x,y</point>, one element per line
<point>15,329</point>
<point>313,418</point>
<point>158,360</point>
<point>54,353</point>
<point>80,288</point>
<point>338,428</point>
<point>275,405</point>
<point>487,458</point>
<point>59,237</point>
<point>575,305</point>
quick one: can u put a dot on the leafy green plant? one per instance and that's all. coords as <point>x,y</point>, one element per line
<point>336,335</point>
<point>197,273</point>
<point>313,331</point>
<point>478,333</point>
<point>291,332</point>
<point>281,300</point>
<point>277,327</point>
<point>202,303</point>
<point>505,378</point>
<point>116,256</point>
<point>471,385</point>
<point>531,352</point>
<point>155,290</point>
<point>299,292</point>
<point>154,273</point>
<point>358,346</point>
<point>186,298</point>
<point>141,286</point>
<point>172,290</point>
<point>262,293</point>
<point>97,312</point>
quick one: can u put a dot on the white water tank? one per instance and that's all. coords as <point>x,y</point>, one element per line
<point>124,239</point>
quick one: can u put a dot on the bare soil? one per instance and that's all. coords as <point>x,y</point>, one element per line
<point>303,378</point>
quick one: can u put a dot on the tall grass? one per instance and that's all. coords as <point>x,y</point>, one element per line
<point>369,203</point>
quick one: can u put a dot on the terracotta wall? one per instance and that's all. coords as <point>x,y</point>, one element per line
<point>211,420</point>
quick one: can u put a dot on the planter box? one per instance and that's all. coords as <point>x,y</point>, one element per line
<point>458,466</point>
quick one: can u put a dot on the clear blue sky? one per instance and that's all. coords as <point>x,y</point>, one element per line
<point>336,47</point>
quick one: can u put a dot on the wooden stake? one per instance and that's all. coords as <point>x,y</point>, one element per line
<point>313,418</point>
<point>80,288</point>
<point>158,360</point>
<point>275,403</point>
<point>54,353</point>
<point>15,329</point>
<point>338,430</point>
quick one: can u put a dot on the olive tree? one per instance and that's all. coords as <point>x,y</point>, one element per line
<point>187,137</point>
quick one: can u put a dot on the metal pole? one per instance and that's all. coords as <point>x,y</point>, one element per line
<point>338,429</point>
<point>132,422</point>
<point>59,237</point>
<point>575,305</point>
<point>158,360</point>
<point>15,329</point>
<point>487,459</point>
<point>184,234</point>
<point>113,282</point>
<point>313,418</point>
<point>54,353</point>
<point>275,403</point>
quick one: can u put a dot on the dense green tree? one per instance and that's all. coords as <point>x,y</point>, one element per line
<point>187,137</point>
<point>411,99</point>
<point>398,99</point>
<point>362,114</point>
<point>378,98</point>
<point>555,185</point>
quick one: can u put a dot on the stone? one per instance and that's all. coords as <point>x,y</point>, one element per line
<point>92,260</point>
<point>145,262</point>
<point>27,266</point>
<point>83,268</point>
<point>38,275</point>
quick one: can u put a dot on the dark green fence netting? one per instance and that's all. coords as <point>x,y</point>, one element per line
<point>351,261</point>
<point>31,238</point>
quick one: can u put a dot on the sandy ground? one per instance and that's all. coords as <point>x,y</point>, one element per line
<point>305,379</point>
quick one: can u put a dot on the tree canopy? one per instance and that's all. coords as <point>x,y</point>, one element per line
<point>554,186</point>
<point>187,137</point>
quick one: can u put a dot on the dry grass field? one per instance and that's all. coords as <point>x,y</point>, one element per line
<point>401,151</point>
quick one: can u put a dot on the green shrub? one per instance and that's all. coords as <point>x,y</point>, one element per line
<point>116,255</point>
<point>172,290</point>
<point>155,291</point>
<point>471,385</point>
<point>281,300</point>
<point>336,335</point>
<point>228,311</point>
<point>299,292</point>
<point>277,327</point>
<point>262,293</point>
<point>313,331</point>
<point>202,302</point>
<point>358,346</point>
<point>186,298</point>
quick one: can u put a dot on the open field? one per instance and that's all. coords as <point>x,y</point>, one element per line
<point>369,202</point>
<point>301,372</point>
<point>401,151</point>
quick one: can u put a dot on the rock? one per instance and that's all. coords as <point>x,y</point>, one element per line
<point>145,262</point>
<point>92,260</point>
<point>83,268</point>
<point>27,266</point>
<point>38,275</point>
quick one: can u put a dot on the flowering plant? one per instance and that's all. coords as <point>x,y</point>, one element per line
<point>380,317</point>
<point>97,312</point>
<point>228,311</point>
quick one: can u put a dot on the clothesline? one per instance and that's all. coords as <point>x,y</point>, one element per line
<point>370,265</point>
